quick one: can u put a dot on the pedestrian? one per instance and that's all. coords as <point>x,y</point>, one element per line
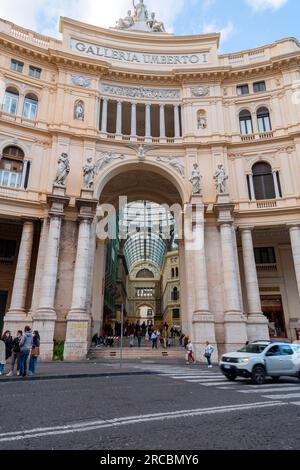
<point>2,356</point>
<point>140,337</point>
<point>158,334</point>
<point>25,347</point>
<point>15,356</point>
<point>131,339</point>
<point>35,352</point>
<point>190,353</point>
<point>154,340</point>
<point>208,353</point>
<point>8,341</point>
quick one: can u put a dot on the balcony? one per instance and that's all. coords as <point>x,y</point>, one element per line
<point>255,137</point>
<point>267,268</point>
<point>268,204</point>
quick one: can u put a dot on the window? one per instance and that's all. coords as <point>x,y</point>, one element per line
<point>176,314</point>
<point>11,167</point>
<point>286,350</point>
<point>273,351</point>
<point>16,66</point>
<point>175,294</point>
<point>246,122</point>
<point>177,272</point>
<point>242,90</point>
<point>30,107</point>
<point>35,71</point>
<point>11,99</point>
<point>258,87</point>
<point>263,181</point>
<point>173,272</point>
<point>263,119</point>
<point>7,248</point>
<point>265,255</point>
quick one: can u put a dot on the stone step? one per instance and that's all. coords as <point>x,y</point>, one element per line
<point>135,353</point>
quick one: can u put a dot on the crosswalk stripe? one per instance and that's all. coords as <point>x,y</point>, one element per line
<point>282,397</point>
<point>295,403</point>
<point>195,377</point>
<point>215,384</point>
<point>273,385</point>
<point>267,390</point>
<point>204,381</point>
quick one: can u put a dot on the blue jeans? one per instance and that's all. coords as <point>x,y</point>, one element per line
<point>23,362</point>
<point>2,367</point>
<point>209,361</point>
<point>32,364</point>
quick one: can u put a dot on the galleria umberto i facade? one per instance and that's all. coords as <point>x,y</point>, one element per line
<point>154,117</point>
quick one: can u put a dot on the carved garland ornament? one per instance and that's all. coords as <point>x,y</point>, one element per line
<point>199,91</point>
<point>79,80</point>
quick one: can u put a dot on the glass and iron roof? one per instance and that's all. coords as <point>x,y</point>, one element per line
<point>148,231</point>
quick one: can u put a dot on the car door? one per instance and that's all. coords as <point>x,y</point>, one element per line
<point>273,360</point>
<point>287,359</point>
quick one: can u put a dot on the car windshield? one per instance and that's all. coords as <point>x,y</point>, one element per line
<point>253,348</point>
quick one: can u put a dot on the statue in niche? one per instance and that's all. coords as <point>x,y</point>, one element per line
<point>89,174</point>
<point>127,22</point>
<point>79,110</point>
<point>155,25</point>
<point>202,124</point>
<point>220,177</point>
<point>140,11</point>
<point>196,180</point>
<point>63,169</point>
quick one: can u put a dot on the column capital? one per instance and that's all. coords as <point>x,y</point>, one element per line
<point>293,225</point>
<point>248,228</point>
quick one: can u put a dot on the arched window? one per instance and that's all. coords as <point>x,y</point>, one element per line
<point>30,106</point>
<point>263,181</point>
<point>263,119</point>
<point>11,99</point>
<point>12,167</point>
<point>175,294</point>
<point>145,274</point>
<point>246,122</point>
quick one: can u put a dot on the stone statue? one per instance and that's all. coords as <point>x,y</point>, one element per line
<point>173,162</point>
<point>196,180</point>
<point>202,122</point>
<point>155,25</point>
<point>140,11</point>
<point>127,22</point>
<point>79,110</point>
<point>142,150</point>
<point>89,174</point>
<point>220,178</point>
<point>63,170</point>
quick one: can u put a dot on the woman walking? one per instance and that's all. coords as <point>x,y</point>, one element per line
<point>15,356</point>
<point>35,352</point>
<point>8,341</point>
<point>208,353</point>
<point>2,356</point>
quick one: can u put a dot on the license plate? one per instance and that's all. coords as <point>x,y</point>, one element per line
<point>227,367</point>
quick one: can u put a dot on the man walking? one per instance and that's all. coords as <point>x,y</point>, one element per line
<point>25,348</point>
<point>208,353</point>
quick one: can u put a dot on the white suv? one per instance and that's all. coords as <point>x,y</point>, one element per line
<point>260,359</point>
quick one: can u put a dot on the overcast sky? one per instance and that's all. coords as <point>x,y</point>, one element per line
<point>244,24</point>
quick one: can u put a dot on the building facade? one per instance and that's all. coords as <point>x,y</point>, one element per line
<point>158,118</point>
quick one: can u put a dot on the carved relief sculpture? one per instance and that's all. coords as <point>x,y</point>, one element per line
<point>221,178</point>
<point>79,110</point>
<point>200,91</point>
<point>174,163</point>
<point>63,169</point>
<point>79,80</point>
<point>142,150</point>
<point>106,159</point>
<point>89,174</point>
<point>196,180</point>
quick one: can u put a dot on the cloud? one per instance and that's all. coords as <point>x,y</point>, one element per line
<point>261,5</point>
<point>43,15</point>
<point>226,32</point>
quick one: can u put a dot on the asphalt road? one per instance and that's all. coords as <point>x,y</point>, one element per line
<point>175,408</point>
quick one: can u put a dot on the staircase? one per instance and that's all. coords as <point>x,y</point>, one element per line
<point>136,353</point>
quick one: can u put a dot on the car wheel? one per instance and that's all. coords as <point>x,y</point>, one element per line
<point>275,379</point>
<point>258,375</point>
<point>230,377</point>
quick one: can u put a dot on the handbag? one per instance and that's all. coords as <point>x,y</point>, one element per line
<point>35,352</point>
<point>207,354</point>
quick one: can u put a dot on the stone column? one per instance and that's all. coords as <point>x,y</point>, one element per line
<point>276,184</point>
<point>162,122</point>
<point>104,116</point>
<point>257,324</point>
<point>78,320</point>
<point>119,119</point>
<point>39,266</point>
<point>203,321</point>
<point>45,315</point>
<point>234,320</point>
<point>16,317</point>
<point>252,192</point>
<point>176,122</point>
<point>294,229</point>
<point>133,120</point>
<point>148,121</point>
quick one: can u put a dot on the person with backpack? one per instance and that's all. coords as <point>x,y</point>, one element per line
<point>208,353</point>
<point>35,352</point>
<point>15,356</point>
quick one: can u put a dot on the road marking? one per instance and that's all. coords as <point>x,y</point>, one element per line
<point>273,385</point>
<point>297,403</point>
<point>273,389</point>
<point>117,422</point>
<point>205,381</point>
<point>282,397</point>
<point>215,384</point>
<point>196,377</point>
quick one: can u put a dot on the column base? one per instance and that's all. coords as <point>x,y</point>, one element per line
<point>235,325</point>
<point>15,320</point>
<point>44,322</point>
<point>257,327</point>
<point>204,330</point>
<point>76,345</point>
